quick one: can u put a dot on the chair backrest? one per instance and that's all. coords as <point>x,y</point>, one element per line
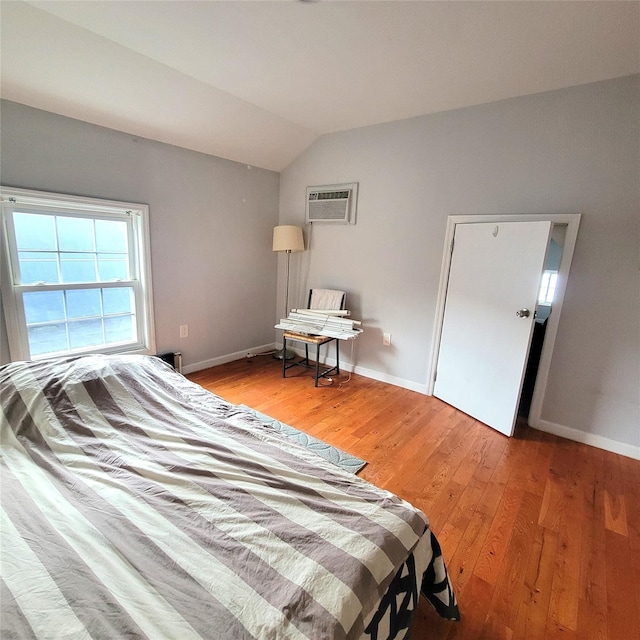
<point>329,299</point>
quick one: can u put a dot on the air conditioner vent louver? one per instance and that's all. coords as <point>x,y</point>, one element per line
<point>332,203</point>
<point>328,195</point>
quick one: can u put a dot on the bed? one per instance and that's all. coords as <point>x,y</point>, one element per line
<point>136,504</point>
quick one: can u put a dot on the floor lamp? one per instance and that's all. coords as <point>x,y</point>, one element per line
<point>287,238</point>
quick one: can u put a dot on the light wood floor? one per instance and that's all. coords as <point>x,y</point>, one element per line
<point>541,535</point>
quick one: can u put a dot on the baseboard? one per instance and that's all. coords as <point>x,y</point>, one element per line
<point>230,357</point>
<point>621,448</point>
<point>368,373</point>
<point>397,382</point>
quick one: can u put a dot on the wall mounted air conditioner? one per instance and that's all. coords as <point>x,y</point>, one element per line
<point>332,203</point>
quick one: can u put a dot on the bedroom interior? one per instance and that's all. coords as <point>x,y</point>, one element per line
<point>469,109</point>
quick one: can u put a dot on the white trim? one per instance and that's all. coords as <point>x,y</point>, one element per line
<point>367,373</point>
<point>540,388</point>
<point>397,382</point>
<point>60,201</point>
<point>591,439</point>
<point>139,250</point>
<point>230,357</point>
<point>572,220</point>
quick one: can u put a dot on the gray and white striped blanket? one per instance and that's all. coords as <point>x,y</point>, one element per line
<point>136,504</point>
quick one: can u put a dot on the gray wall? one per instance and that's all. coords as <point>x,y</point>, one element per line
<point>211,223</point>
<point>568,151</point>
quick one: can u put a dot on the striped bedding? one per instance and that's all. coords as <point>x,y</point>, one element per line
<point>136,504</point>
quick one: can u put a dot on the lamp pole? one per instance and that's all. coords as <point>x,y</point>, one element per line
<point>287,238</point>
<point>286,354</point>
<point>286,289</point>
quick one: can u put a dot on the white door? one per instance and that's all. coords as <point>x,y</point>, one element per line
<point>488,318</point>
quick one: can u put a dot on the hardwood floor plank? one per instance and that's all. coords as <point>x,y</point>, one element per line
<point>495,629</point>
<point>623,614</point>
<point>510,587</point>
<point>615,509</point>
<point>462,561</point>
<point>592,623</point>
<point>555,631</point>
<point>474,611</point>
<point>592,605</point>
<point>494,550</point>
<point>631,482</point>
<point>533,612</point>
<point>541,535</point>
<point>565,591</point>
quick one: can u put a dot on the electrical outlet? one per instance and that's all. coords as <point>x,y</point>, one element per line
<point>184,330</point>
<point>386,339</point>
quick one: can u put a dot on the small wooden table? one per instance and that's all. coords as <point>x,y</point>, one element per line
<point>307,340</point>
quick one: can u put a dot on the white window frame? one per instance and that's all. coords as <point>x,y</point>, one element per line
<point>137,218</point>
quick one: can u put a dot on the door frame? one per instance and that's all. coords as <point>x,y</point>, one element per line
<point>572,220</point>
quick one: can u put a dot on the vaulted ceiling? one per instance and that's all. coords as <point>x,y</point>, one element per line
<point>259,81</point>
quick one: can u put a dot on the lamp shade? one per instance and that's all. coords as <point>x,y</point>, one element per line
<point>287,237</point>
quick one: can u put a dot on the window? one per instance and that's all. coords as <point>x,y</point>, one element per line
<point>76,275</point>
<point>547,287</point>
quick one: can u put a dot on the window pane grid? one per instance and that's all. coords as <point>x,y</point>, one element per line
<point>72,250</point>
<point>67,320</point>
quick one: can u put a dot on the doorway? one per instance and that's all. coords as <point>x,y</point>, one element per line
<point>546,304</point>
<point>564,233</point>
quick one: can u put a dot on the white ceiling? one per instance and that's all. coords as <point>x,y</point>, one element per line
<point>259,81</point>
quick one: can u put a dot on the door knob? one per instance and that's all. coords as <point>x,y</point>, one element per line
<point>523,313</point>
